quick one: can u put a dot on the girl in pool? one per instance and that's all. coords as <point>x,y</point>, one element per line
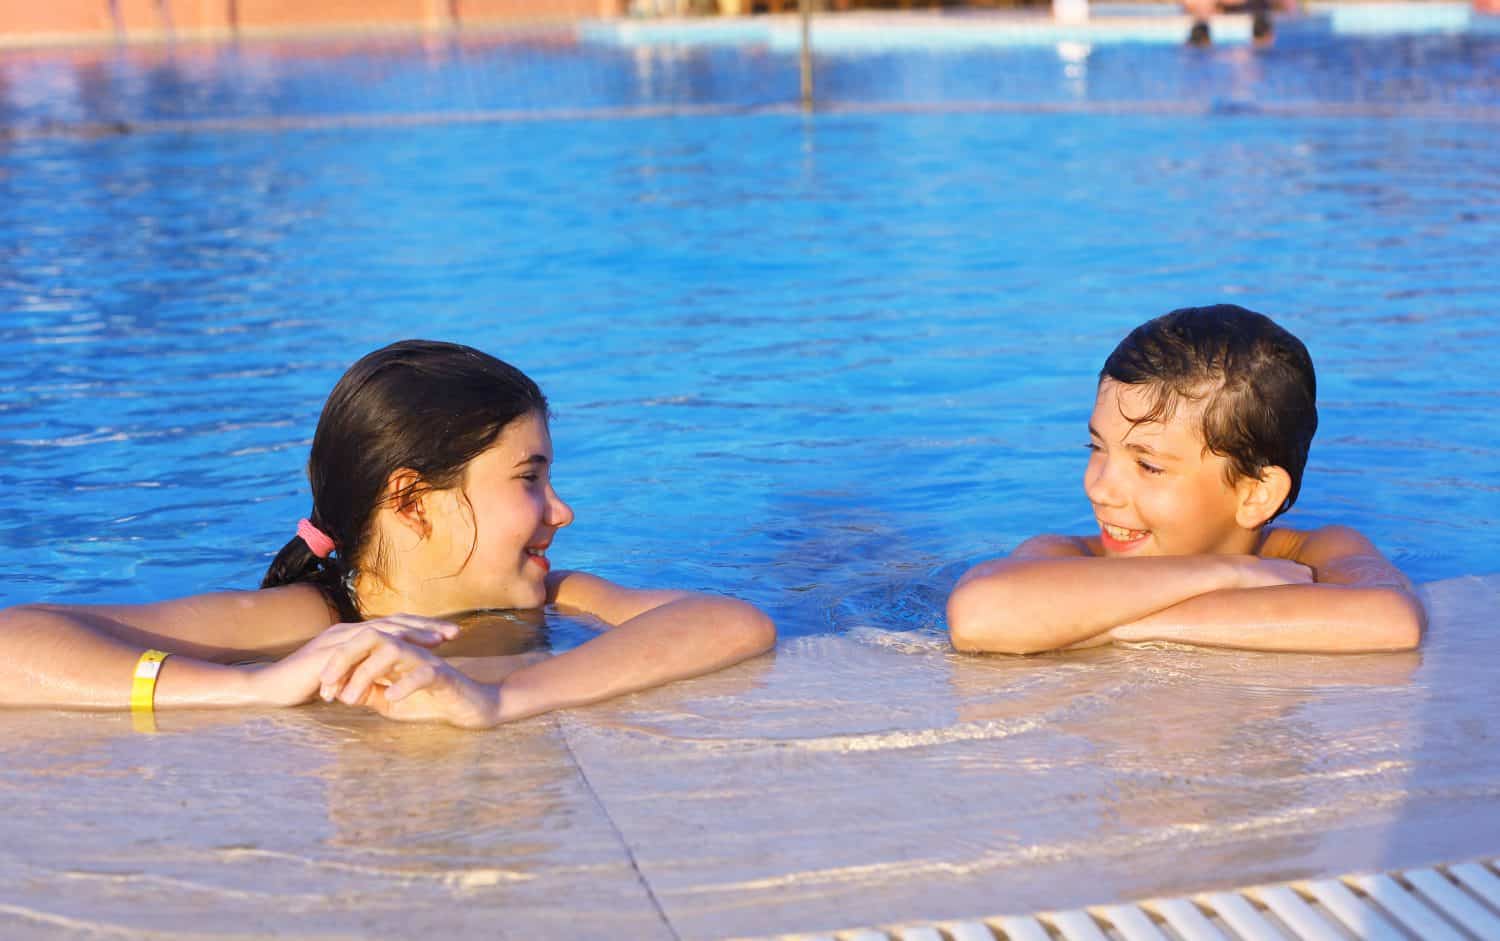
<point>432,495</point>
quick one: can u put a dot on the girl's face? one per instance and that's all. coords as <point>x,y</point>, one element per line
<point>1155,487</point>
<point>500,520</point>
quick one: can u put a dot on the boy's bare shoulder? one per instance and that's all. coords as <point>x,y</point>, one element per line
<point>1336,554</point>
<point>1310,545</point>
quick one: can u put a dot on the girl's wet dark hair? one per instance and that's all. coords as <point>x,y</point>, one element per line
<point>422,405</point>
<point>1255,379</point>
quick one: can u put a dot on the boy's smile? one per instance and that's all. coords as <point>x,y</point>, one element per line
<point>1155,488</point>
<point>1120,540</point>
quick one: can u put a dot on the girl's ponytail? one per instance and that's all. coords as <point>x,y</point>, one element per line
<point>296,562</point>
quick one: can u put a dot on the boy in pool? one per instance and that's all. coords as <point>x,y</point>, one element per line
<point>431,496</point>
<point>1200,430</point>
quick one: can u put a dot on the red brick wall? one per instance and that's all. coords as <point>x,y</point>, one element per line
<point>478,10</point>
<point>292,14</point>
<point>54,16</point>
<point>151,15</point>
<point>23,20</point>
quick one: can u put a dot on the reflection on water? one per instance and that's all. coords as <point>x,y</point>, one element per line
<point>539,70</point>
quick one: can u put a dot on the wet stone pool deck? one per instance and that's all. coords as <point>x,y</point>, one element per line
<point>854,779</point>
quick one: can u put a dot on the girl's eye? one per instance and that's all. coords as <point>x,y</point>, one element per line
<point>1149,468</point>
<point>1091,446</point>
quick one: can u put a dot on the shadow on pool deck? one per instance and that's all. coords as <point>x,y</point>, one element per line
<point>863,778</point>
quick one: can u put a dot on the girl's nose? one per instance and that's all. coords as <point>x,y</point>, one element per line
<point>559,514</point>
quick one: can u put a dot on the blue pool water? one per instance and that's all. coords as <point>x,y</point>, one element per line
<point>824,363</point>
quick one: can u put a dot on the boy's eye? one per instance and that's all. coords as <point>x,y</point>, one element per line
<point>1149,468</point>
<point>1091,446</point>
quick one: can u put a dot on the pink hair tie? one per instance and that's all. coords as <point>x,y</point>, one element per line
<point>316,539</point>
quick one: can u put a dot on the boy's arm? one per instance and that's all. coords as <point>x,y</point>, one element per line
<point>1360,602</point>
<point>1052,592</point>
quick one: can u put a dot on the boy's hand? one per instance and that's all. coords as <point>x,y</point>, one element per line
<point>1256,572</point>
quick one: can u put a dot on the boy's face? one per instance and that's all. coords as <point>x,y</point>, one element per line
<point>1155,487</point>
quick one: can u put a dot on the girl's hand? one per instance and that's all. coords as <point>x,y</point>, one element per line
<point>407,683</point>
<point>296,678</point>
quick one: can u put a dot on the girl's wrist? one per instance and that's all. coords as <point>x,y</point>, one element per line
<point>255,684</point>
<point>194,683</point>
<point>495,700</point>
<point>511,702</point>
<point>470,715</point>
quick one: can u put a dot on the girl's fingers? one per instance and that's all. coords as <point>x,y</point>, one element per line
<point>374,651</point>
<point>421,621</point>
<point>421,677</point>
<point>422,631</point>
<point>421,636</point>
<point>429,632</point>
<point>343,657</point>
<point>378,665</point>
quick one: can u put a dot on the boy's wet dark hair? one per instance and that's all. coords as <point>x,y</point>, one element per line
<point>428,406</point>
<point>1255,380</point>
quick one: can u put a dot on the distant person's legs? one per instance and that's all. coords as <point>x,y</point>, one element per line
<point>1200,11</point>
<point>1262,29</point>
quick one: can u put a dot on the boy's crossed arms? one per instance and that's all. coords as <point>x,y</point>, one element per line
<point>1328,591</point>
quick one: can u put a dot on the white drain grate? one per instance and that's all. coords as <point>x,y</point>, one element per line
<point>1459,902</point>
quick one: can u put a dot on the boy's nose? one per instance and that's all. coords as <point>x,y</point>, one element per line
<point>1100,485</point>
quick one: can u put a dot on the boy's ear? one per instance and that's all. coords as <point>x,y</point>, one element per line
<point>1261,498</point>
<point>405,497</point>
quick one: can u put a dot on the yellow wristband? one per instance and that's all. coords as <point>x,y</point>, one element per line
<point>143,690</point>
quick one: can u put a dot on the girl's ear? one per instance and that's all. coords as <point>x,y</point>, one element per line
<point>1261,498</point>
<point>406,498</point>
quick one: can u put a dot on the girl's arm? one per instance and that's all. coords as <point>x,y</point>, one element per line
<point>611,603</point>
<point>1053,593</point>
<point>84,656</point>
<point>1359,603</point>
<point>657,637</point>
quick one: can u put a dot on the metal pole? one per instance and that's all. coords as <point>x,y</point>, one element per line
<point>804,7</point>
